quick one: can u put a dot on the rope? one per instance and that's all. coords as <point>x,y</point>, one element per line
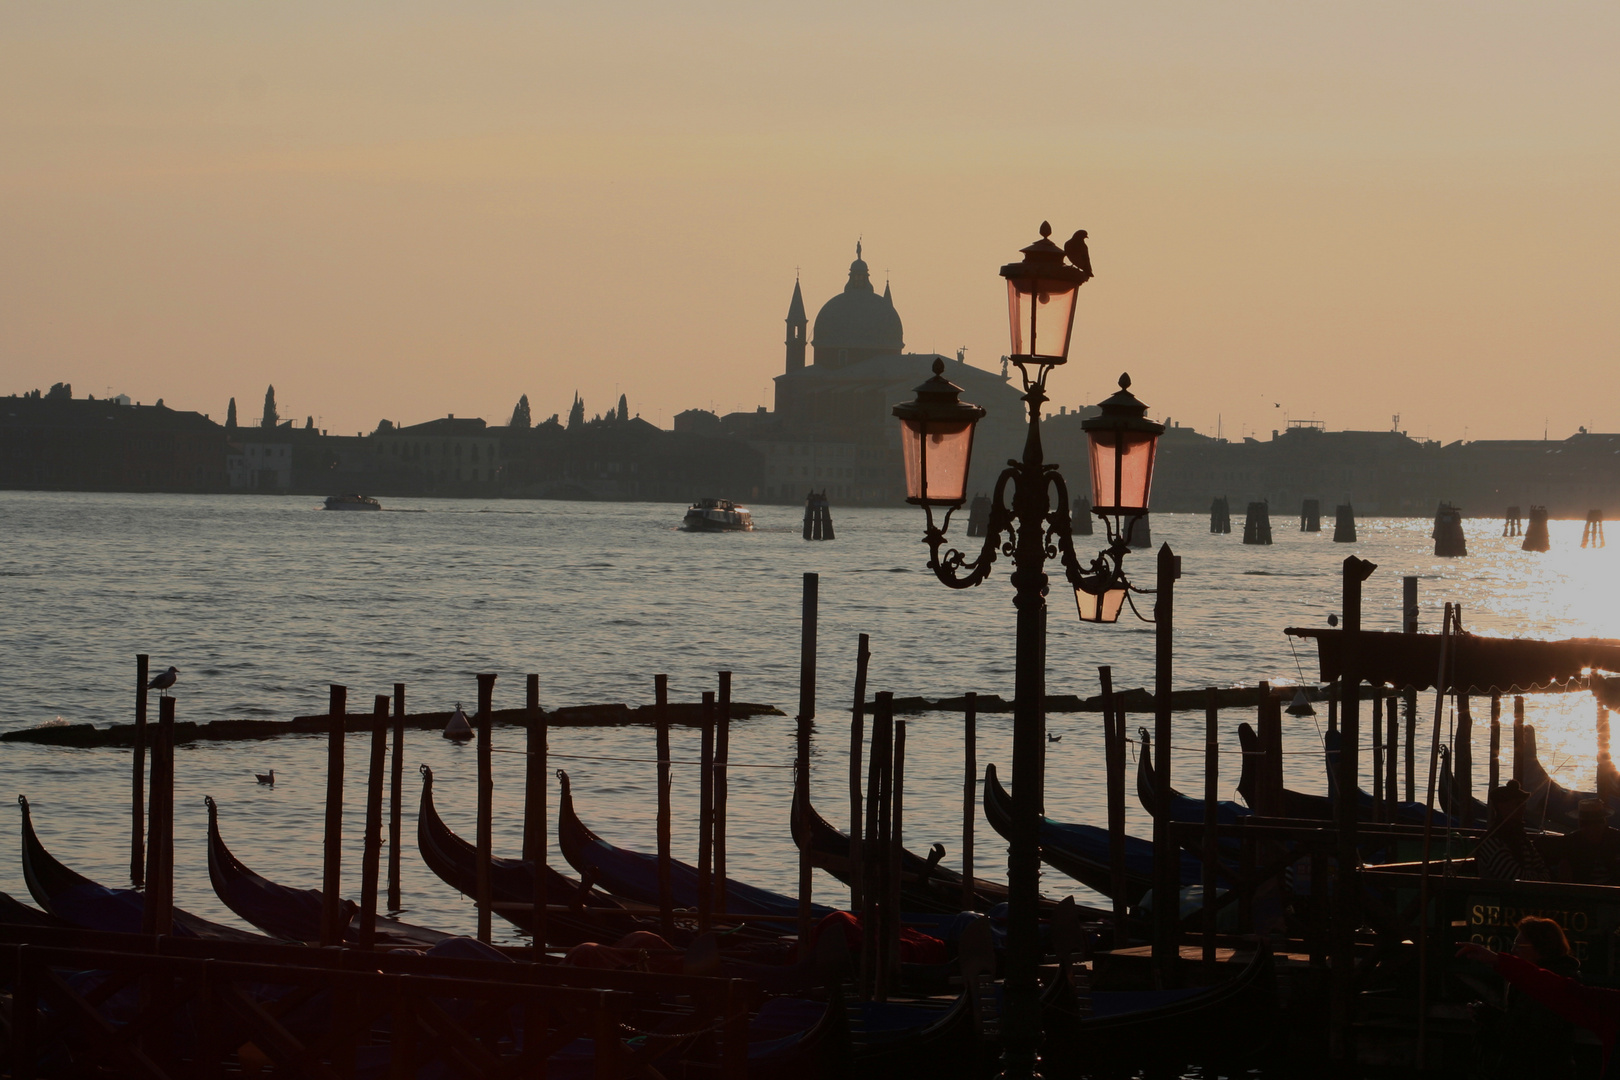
<point>640,761</point>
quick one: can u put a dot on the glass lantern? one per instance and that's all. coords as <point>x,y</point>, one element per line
<point>1041,292</point>
<point>936,433</point>
<point>1122,445</point>
<point>1100,600</point>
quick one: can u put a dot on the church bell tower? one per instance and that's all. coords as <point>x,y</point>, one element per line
<point>798,326</point>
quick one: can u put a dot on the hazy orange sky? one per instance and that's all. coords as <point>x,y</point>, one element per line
<point>402,210</point>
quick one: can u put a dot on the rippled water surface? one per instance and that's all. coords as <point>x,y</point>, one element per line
<point>262,602</point>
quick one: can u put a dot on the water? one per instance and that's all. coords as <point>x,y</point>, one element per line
<point>261,602</point>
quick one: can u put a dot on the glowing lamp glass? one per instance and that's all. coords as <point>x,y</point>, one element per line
<point>1102,606</point>
<point>938,454</point>
<point>1121,470</point>
<point>1040,311</point>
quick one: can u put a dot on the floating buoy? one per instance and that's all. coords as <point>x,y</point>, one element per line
<point>1301,705</point>
<point>458,729</point>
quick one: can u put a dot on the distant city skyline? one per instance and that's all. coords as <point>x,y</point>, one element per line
<point>1335,212</point>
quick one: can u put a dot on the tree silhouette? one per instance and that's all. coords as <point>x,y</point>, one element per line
<point>520,414</point>
<point>271,417</point>
<point>576,415</point>
<point>624,409</point>
<point>230,416</point>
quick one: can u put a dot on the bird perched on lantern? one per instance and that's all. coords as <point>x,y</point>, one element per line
<point>1078,254</point>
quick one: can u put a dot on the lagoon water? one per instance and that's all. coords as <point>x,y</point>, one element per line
<point>263,601</point>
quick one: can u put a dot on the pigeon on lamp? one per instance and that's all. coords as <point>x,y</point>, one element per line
<point>163,680</point>
<point>1078,254</point>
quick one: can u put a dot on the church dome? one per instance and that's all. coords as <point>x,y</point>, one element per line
<point>857,323</point>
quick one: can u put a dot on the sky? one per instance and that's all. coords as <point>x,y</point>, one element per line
<point>1333,211</point>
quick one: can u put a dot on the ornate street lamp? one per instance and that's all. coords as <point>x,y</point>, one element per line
<point>937,430</point>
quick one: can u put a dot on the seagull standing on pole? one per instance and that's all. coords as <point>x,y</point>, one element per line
<point>164,680</point>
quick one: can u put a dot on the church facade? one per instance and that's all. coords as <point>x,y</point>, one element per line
<point>832,427</point>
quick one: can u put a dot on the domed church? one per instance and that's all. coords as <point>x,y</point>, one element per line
<point>832,427</point>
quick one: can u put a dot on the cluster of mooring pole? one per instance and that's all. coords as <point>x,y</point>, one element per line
<point>1220,515</point>
<point>1344,524</point>
<point>1535,535</point>
<point>1139,531</point>
<point>817,517</point>
<point>1257,525</point>
<point>1592,534</point>
<point>1310,516</point>
<point>978,515</point>
<point>1449,541</point>
<point>1081,518</point>
<point>1513,523</point>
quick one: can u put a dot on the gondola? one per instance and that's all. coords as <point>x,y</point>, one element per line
<point>925,886</point>
<point>1230,1023</point>
<point>511,881</point>
<point>1406,813</point>
<point>293,914</point>
<point>88,905</point>
<point>1082,851</point>
<point>1295,804</point>
<point>634,875</point>
<point>1477,813</point>
<point>1552,805</point>
<point>1182,808</point>
<point>14,912</point>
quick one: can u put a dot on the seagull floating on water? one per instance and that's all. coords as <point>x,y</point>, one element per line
<point>1053,738</point>
<point>267,778</point>
<point>164,680</point>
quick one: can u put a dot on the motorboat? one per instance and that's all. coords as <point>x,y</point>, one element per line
<point>717,515</point>
<point>352,502</point>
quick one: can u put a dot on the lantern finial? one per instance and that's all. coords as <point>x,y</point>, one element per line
<point>1046,229</point>
<point>1125,381</point>
<point>939,366</point>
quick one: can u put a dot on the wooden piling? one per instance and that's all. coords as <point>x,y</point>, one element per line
<point>371,853</point>
<point>486,802</point>
<point>536,829</point>
<point>666,894</point>
<point>1114,767</point>
<point>137,834</point>
<point>1211,851</point>
<point>1220,515</point>
<point>1462,759</point>
<point>1440,687</point>
<point>722,753</point>
<point>1379,810</point>
<point>1410,703</point>
<point>1512,524</point>
<point>1519,748</point>
<point>1592,532</point>
<point>1449,540</point>
<point>1310,516</point>
<point>891,925</point>
<point>970,792</point>
<point>1080,523</point>
<point>1409,604</point>
<point>1494,775</point>
<point>857,747</point>
<point>1167,859</point>
<point>879,835</point>
<point>1345,907</point>
<point>396,796</point>
<point>157,909</point>
<point>332,841</point>
<point>1392,716</point>
<point>807,715</point>
<point>1257,524</point>
<point>1268,726</point>
<point>706,816</point>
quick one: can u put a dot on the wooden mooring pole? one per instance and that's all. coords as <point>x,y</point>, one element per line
<point>1345,908</point>
<point>879,836</point>
<point>807,715</point>
<point>486,802</point>
<point>970,792</point>
<point>137,834</point>
<point>857,745</point>
<point>1392,758</point>
<point>1440,687</point>
<point>537,829</point>
<point>332,840</point>
<point>371,854</point>
<point>1211,851</point>
<point>396,796</point>
<point>722,752</point>
<point>1114,766</point>
<point>157,909</point>
<point>1519,748</point>
<point>1379,809</point>
<point>1167,861</point>
<point>1494,776</point>
<point>706,816</point>
<point>666,893</point>
<point>891,925</point>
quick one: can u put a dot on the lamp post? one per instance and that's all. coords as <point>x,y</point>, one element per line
<point>1031,527</point>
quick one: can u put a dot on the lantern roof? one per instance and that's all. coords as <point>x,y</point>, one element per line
<point>1122,411</point>
<point>1044,259</point>
<point>938,399</point>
